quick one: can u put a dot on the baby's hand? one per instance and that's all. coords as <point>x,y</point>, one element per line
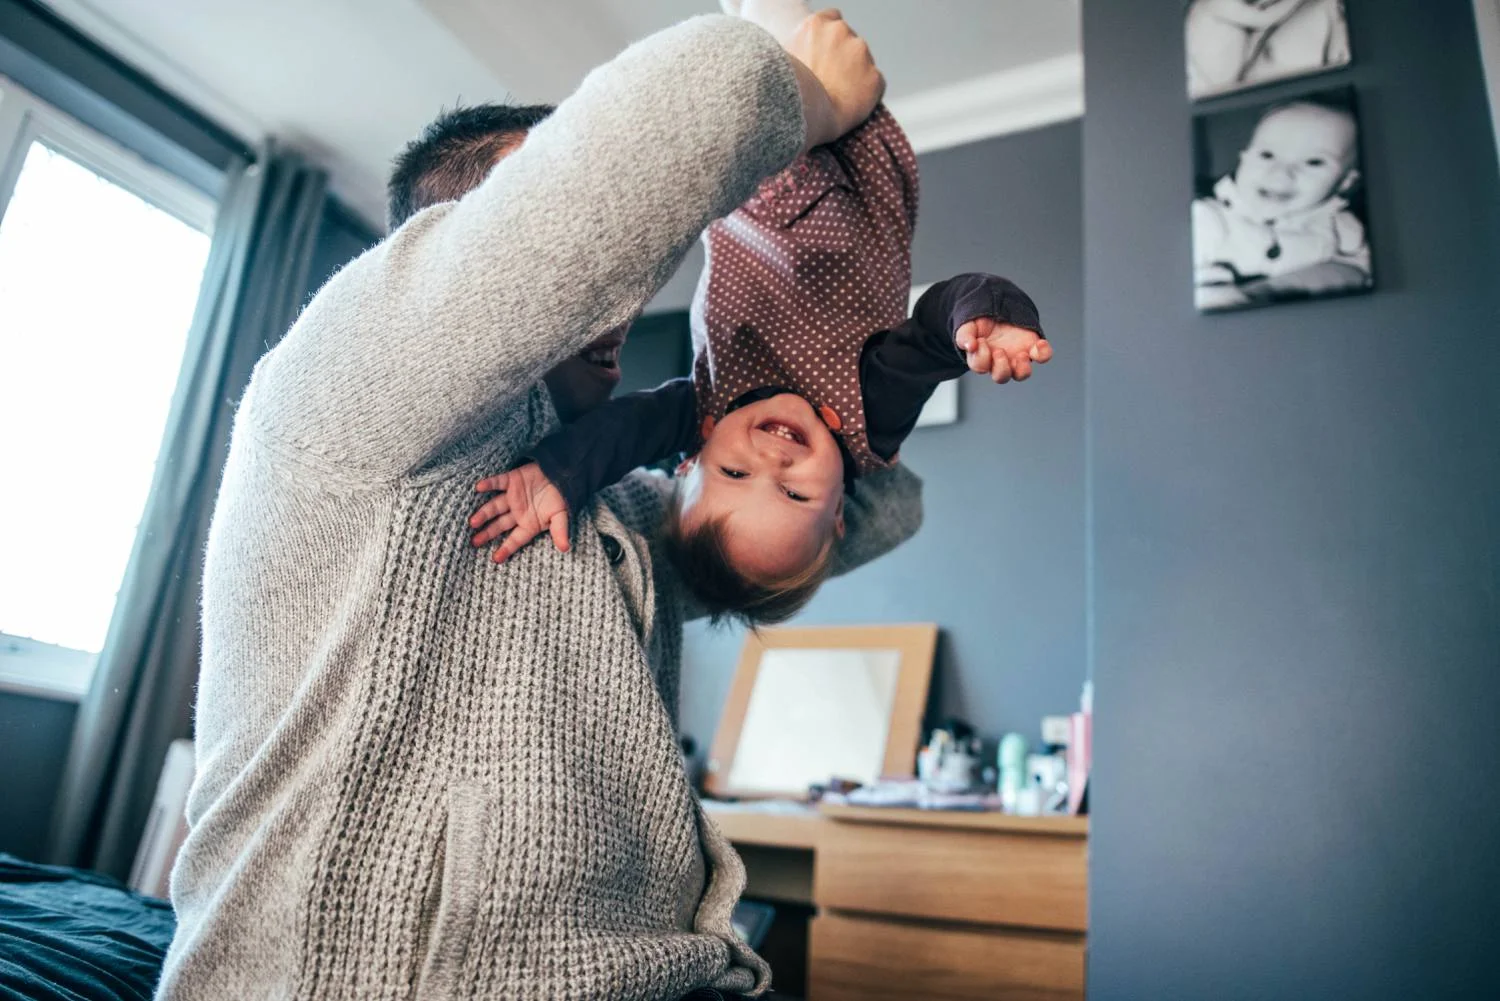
<point>527,504</point>
<point>1000,350</point>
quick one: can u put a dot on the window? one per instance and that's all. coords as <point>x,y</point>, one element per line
<point>101,256</point>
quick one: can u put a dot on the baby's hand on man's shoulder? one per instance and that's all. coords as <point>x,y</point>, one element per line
<point>526,504</point>
<point>1001,350</point>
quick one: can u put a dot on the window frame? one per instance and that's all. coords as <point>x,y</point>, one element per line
<point>27,666</point>
<point>25,118</point>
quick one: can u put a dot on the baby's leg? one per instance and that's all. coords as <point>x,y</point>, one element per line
<point>882,168</point>
<point>876,153</point>
<point>780,17</point>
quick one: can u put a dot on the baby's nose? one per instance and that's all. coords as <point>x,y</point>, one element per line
<point>779,455</point>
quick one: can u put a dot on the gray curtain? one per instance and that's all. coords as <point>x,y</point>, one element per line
<point>142,694</point>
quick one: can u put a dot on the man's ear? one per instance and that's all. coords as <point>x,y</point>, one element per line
<point>838,519</point>
<point>686,466</point>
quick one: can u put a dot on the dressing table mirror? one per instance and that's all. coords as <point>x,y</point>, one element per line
<point>815,703</point>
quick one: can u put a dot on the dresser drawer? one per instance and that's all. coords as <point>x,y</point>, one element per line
<point>871,959</point>
<point>977,877</point>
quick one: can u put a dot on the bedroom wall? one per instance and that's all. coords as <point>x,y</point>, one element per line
<point>999,562</point>
<point>34,735</point>
<point>1296,551</point>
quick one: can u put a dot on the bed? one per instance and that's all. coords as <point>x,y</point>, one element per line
<point>66,933</point>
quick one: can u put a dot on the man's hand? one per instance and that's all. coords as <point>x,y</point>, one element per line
<point>841,68</point>
<point>527,503</point>
<point>1000,350</point>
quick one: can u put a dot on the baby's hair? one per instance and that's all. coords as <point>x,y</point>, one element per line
<point>700,555</point>
<point>1319,104</point>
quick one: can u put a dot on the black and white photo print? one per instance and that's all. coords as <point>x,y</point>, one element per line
<point>1279,210</point>
<point>1234,44</point>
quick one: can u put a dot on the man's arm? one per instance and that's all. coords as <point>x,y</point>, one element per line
<point>884,511</point>
<point>467,305</point>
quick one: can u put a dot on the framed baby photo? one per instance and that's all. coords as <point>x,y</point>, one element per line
<point>1235,44</point>
<point>1278,210</point>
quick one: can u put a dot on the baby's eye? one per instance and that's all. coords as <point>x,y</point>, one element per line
<point>733,474</point>
<point>1266,154</point>
<point>795,496</point>
<point>1316,161</point>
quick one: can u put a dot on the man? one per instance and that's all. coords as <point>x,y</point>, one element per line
<point>420,775</point>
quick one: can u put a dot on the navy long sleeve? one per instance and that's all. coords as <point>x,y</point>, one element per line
<point>628,432</point>
<point>900,368</point>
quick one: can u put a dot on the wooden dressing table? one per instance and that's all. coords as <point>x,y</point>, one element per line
<point>913,904</point>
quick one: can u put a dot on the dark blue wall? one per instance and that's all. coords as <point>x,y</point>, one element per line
<point>1295,551</point>
<point>999,563</point>
<point>34,735</point>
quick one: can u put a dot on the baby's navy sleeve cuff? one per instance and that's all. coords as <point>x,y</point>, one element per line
<point>997,298</point>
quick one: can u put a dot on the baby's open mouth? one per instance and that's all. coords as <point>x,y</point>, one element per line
<point>1274,196</point>
<point>605,357</point>
<point>781,430</point>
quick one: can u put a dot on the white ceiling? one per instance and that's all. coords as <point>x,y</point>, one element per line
<point>349,81</point>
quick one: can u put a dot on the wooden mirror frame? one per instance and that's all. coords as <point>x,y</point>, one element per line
<point>916,644</point>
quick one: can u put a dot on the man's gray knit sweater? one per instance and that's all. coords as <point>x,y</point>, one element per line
<point>421,775</point>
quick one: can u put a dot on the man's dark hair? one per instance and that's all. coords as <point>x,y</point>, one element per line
<point>700,555</point>
<point>455,153</point>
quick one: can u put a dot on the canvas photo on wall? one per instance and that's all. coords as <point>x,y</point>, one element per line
<point>1279,210</point>
<point>1234,44</point>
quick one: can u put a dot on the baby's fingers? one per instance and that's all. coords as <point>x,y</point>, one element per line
<point>514,543</point>
<point>979,358</point>
<point>502,524</point>
<point>558,526</point>
<point>1020,367</point>
<point>491,484</point>
<point>1020,362</point>
<point>492,508</point>
<point>966,336</point>
<point>1000,371</point>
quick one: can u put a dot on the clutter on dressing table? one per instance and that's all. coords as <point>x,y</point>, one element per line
<point>833,713</point>
<point>950,763</point>
<point>951,775</point>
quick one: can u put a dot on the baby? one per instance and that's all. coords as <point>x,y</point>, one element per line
<point>807,374</point>
<point>1279,226</point>
<point>1238,43</point>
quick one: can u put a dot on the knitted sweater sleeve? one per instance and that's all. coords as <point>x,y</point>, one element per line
<point>884,511</point>
<point>469,303</point>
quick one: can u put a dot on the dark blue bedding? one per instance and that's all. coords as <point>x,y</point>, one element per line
<point>65,933</point>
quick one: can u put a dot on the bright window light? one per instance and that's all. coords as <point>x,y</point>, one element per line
<point>97,289</point>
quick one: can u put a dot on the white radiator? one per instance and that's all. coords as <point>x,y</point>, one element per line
<point>167,826</point>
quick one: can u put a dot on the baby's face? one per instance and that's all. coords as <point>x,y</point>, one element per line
<point>773,471</point>
<point>1299,157</point>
